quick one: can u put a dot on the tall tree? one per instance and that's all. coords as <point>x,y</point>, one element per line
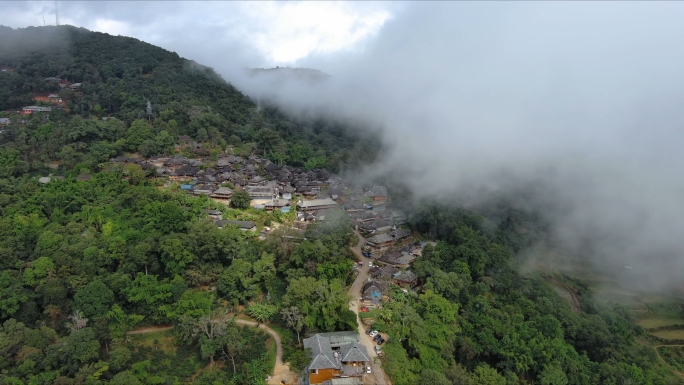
<point>294,319</point>
<point>207,329</point>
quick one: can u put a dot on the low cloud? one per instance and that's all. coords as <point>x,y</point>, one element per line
<point>569,107</point>
<point>577,104</point>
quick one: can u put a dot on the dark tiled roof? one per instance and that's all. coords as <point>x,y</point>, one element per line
<point>405,276</point>
<point>322,355</point>
<point>380,238</point>
<point>354,352</point>
<point>369,286</point>
<point>400,233</point>
<point>241,224</point>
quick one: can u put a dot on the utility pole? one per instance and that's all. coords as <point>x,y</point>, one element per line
<point>149,112</point>
<point>56,14</point>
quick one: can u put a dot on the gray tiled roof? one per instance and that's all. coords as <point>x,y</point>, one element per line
<point>380,238</point>
<point>405,276</point>
<point>242,224</point>
<point>371,285</point>
<point>401,233</point>
<point>354,352</point>
<point>322,355</point>
<point>223,191</point>
<point>341,338</point>
<point>316,203</point>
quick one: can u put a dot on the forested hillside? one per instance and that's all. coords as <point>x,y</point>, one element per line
<point>478,320</point>
<point>84,262</point>
<point>89,258</point>
<point>118,76</point>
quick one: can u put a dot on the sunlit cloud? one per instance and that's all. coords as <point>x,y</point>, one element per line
<point>280,32</point>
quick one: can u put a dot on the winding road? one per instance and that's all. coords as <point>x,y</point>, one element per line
<point>572,297</point>
<point>281,371</point>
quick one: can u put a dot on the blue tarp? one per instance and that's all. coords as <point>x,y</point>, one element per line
<point>285,209</point>
<point>186,187</point>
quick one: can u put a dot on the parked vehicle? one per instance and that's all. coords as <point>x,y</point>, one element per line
<point>380,341</point>
<point>361,263</point>
<point>368,369</point>
<point>373,333</point>
<point>377,349</point>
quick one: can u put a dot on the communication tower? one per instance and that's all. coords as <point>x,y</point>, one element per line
<point>56,14</point>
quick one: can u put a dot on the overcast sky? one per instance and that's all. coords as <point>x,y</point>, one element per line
<point>259,33</point>
<point>581,100</point>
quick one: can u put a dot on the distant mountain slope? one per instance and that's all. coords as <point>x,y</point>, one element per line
<point>119,75</point>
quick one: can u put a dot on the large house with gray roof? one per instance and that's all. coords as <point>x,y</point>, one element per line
<point>334,355</point>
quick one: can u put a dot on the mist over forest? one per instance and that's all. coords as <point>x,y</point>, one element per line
<point>447,193</point>
<point>567,108</point>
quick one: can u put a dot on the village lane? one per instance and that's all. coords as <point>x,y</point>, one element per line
<point>378,374</point>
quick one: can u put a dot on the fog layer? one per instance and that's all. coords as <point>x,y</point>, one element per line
<point>579,100</point>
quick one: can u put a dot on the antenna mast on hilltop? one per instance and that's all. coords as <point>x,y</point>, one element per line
<point>56,14</point>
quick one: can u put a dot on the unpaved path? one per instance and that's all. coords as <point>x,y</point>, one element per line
<point>151,329</point>
<point>573,297</point>
<point>281,371</point>
<point>378,375</point>
<point>661,358</point>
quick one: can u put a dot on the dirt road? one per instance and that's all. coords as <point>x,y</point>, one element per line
<point>150,329</point>
<point>378,375</point>
<point>571,296</point>
<point>281,371</point>
<point>680,374</point>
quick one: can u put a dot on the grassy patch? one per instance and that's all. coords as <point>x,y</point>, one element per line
<point>271,350</point>
<point>668,309</point>
<point>670,334</point>
<point>648,323</point>
<point>162,340</point>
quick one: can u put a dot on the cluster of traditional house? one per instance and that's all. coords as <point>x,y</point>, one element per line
<point>217,217</point>
<point>51,98</point>
<point>392,267</point>
<point>270,187</point>
<point>28,110</point>
<point>337,358</point>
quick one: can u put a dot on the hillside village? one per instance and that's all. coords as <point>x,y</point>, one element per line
<point>146,202</point>
<point>313,196</point>
<point>307,195</point>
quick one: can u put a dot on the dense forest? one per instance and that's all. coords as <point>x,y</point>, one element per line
<point>125,80</point>
<point>479,320</point>
<point>85,262</point>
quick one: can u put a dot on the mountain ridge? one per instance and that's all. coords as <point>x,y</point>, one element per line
<point>118,75</point>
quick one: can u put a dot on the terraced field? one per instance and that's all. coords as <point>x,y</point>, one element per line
<point>669,334</point>
<point>649,323</point>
